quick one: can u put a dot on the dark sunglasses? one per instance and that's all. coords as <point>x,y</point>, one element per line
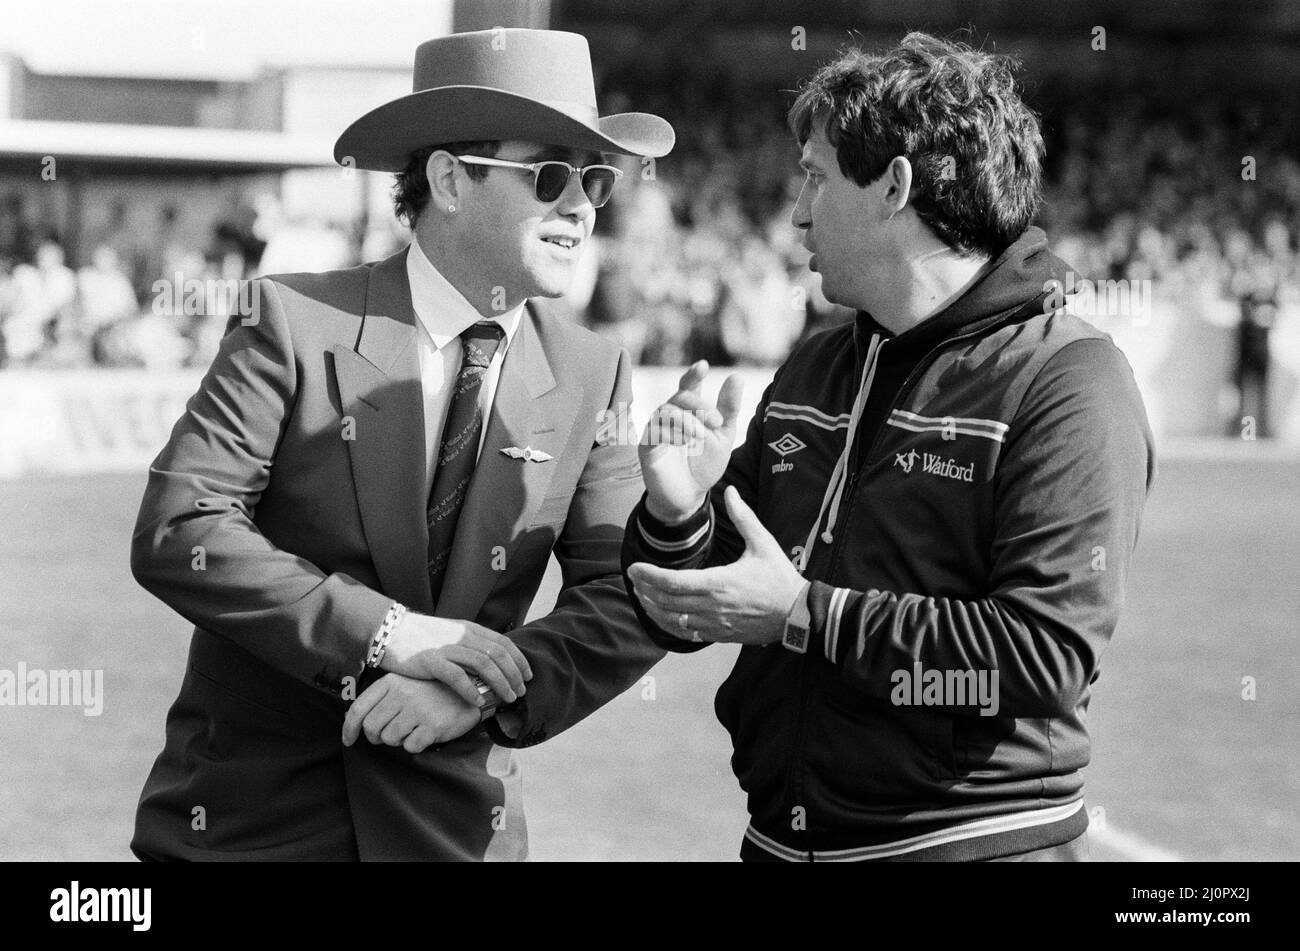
<point>552,177</point>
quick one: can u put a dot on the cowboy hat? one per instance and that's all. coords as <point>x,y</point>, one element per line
<point>534,85</point>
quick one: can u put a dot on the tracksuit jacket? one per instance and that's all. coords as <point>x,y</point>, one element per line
<point>984,526</point>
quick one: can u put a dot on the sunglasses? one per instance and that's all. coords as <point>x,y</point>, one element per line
<point>550,179</point>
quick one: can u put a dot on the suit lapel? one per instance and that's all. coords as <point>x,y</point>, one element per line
<point>380,389</point>
<point>528,411</point>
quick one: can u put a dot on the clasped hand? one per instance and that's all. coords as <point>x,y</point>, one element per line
<point>412,714</point>
<point>428,695</point>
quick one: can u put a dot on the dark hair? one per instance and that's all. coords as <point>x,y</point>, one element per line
<point>976,149</point>
<point>411,188</point>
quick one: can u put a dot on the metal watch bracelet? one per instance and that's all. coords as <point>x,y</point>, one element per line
<point>379,645</point>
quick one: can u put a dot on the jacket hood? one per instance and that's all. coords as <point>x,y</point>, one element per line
<point>1017,277</point>
<point>1016,282</point>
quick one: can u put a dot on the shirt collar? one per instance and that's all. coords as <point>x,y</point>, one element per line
<point>442,310</point>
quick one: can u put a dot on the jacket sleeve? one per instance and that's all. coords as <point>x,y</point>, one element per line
<point>706,539</point>
<point>589,649</point>
<point>195,546</point>
<point>1070,488</point>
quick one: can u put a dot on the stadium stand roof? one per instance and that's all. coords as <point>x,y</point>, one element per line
<point>163,148</point>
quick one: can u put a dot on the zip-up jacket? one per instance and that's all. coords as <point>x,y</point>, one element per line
<point>967,563</point>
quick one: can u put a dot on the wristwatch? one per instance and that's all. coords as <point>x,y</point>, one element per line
<point>491,700</point>
<point>797,622</point>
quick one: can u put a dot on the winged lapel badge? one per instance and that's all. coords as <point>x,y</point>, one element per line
<point>528,454</point>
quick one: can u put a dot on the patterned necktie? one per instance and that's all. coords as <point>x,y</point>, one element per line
<point>459,450</point>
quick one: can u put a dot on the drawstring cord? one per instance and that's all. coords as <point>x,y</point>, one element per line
<point>839,477</point>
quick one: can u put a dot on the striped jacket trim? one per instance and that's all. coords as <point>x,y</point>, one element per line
<point>961,425</point>
<point>966,830</point>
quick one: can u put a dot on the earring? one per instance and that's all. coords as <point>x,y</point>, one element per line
<point>452,209</point>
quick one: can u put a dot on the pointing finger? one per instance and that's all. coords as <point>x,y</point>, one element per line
<point>733,388</point>
<point>694,375</point>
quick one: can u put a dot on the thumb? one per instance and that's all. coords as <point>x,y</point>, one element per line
<point>757,538</point>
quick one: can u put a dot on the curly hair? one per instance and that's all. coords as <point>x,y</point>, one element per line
<point>411,187</point>
<point>976,149</point>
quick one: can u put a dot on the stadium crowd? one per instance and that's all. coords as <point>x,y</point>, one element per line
<point>697,259</point>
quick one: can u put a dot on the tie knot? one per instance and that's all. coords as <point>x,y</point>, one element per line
<point>481,342</point>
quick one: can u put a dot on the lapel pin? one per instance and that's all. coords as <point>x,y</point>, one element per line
<point>528,454</point>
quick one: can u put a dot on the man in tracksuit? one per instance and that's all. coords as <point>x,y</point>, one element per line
<point>923,541</point>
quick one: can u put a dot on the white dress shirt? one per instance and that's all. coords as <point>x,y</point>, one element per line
<point>444,314</point>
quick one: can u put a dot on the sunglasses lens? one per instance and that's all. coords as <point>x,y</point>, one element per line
<point>598,183</point>
<point>552,177</point>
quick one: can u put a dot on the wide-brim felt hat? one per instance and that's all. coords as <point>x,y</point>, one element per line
<point>533,85</point>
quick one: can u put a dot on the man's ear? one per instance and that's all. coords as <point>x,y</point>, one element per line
<point>897,181</point>
<point>440,169</point>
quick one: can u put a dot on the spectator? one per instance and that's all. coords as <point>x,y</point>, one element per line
<point>162,254</point>
<point>107,298</point>
<point>16,243</point>
<point>40,296</point>
<point>696,257</point>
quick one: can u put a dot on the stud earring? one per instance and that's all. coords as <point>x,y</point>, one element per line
<point>451,208</point>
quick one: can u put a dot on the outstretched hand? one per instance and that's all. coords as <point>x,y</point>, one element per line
<point>687,444</point>
<point>745,602</point>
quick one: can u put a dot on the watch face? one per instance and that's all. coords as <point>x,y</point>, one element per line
<point>796,638</point>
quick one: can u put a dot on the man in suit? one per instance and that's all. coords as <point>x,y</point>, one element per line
<point>360,500</point>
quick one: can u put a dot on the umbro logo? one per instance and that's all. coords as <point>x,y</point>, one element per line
<point>785,446</point>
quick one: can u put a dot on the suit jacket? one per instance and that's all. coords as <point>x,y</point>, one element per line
<point>287,512</point>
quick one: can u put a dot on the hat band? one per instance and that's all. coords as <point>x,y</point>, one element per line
<point>584,112</point>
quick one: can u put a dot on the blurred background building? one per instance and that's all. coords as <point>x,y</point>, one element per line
<point>199,148</point>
